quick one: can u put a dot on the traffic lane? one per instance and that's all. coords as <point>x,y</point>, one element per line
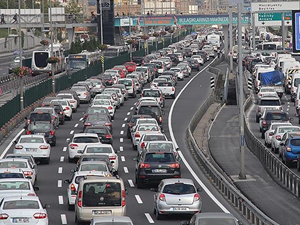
<point>4,68</point>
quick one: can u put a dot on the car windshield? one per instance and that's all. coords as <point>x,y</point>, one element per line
<point>147,128</point>
<point>163,146</point>
<point>39,126</point>
<point>98,150</point>
<point>101,102</point>
<point>21,204</point>
<point>92,110</point>
<point>277,116</point>
<point>269,103</point>
<point>160,157</point>
<point>151,93</point>
<point>126,82</point>
<point>96,130</point>
<point>274,126</point>
<point>14,185</point>
<point>108,192</point>
<point>13,164</point>
<point>91,167</point>
<point>11,175</point>
<point>149,110</point>
<point>216,221</point>
<point>85,140</point>
<point>31,140</point>
<point>95,117</point>
<point>179,189</point>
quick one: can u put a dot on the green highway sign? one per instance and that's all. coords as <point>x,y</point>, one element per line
<point>274,16</point>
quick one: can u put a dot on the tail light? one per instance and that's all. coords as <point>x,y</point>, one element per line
<point>72,101</point>
<point>28,121</point>
<point>173,89</point>
<point>143,145</point>
<point>3,216</point>
<point>85,116</point>
<point>175,166</point>
<point>31,194</point>
<point>44,147</point>
<point>28,173</point>
<point>53,117</point>
<point>162,197</point>
<point>271,134</point>
<point>110,108</point>
<point>67,108</point>
<point>61,113</point>
<point>123,198</point>
<point>108,124</point>
<point>264,122</point>
<point>108,136</point>
<point>278,137</point>
<point>18,147</point>
<point>259,95</point>
<point>73,189</point>
<point>144,165</point>
<point>79,199</point>
<point>87,124</point>
<point>160,97</point>
<point>40,215</point>
<point>288,149</point>
<point>196,197</point>
<point>28,132</point>
<point>130,124</point>
<point>137,135</point>
<point>52,132</point>
<point>73,146</point>
<point>160,119</point>
<point>114,157</point>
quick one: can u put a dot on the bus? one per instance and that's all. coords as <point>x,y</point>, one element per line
<point>82,60</point>
<point>269,46</point>
<point>39,63</point>
<point>114,51</point>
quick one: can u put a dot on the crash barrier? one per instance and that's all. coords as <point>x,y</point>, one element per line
<point>10,111</point>
<point>229,191</point>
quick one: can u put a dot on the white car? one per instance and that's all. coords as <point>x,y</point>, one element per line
<point>78,143</point>
<point>65,103</point>
<point>278,133</point>
<point>156,81</point>
<point>99,166</point>
<point>116,91</point>
<point>266,91</point>
<point>33,144</point>
<point>147,99</point>
<point>178,72</point>
<point>139,130</point>
<point>180,56</point>
<point>198,58</point>
<point>167,89</point>
<point>23,210</point>
<point>73,184</point>
<point>107,104</point>
<point>103,149</point>
<point>149,137</point>
<point>269,133</point>
<point>106,96</point>
<point>69,96</point>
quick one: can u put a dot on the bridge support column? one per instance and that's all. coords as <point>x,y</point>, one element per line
<point>71,33</point>
<point>226,42</point>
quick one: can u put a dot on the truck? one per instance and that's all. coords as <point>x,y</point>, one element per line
<point>274,79</point>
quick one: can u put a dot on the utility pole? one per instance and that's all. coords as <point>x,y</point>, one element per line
<point>230,39</point>
<point>52,42</point>
<point>242,174</point>
<point>21,61</point>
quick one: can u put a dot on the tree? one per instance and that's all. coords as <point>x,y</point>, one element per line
<point>73,8</point>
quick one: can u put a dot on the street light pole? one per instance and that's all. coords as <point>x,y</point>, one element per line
<point>21,61</point>
<point>230,39</point>
<point>101,33</point>
<point>51,53</point>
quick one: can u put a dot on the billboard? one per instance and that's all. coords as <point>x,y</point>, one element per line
<point>296,30</point>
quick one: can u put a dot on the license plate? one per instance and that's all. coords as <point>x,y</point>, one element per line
<point>41,133</point>
<point>101,212</point>
<point>179,209</point>
<point>159,170</point>
<point>20,220</point>
<point>31,149</point>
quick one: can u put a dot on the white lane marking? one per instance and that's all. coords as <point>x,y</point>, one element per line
<point>62,158</point>
<point>60,200</point>
<point>128,113</point>
<point>131,184</point>
<point>126,119</point>
<point>80,119</point>
<point>123,158</point>
<point>121,149</point>
<point>63,219</point>
<point>126,169</point>
<point>122,132</point>
<point>288,103</point>
<point>121,140</point>
<point>149,218</point>
<point>59,183</point>
<point>76,125</point>
<point>60,169</point>
<point>287,109</point>
<point>64,149</point>
<point>72,131</point>
<point>180,153</point>
<point>138,199</point>
<point>11,143</point>
<point>131,108</point>
<point>123,125</point>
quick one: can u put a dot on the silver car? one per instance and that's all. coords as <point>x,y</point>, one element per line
<point>111,220</point>
<point>83,93</point>
<point>176,196</point>
<point>212,218</point>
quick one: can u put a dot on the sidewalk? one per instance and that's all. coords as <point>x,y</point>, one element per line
<point>261,189</point>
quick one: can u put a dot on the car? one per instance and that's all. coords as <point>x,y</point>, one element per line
<point>151,108</point>
<point>107,79</point>
<point>98,120</point>
<point>291,150</point>
<point>75,97</point>
<point>154,93</point>
<point>78,143</point>
<point>199,59</point>
<point>103,133</point>
<point>266,91</point>
<point>278,133</point>
<point>179,73</point>
<point>34,144</point>
<point>105,103</point>
<point>73,184</point>
<point>146,138</point>
<point>161,66</point>
<point>270,132</point>
<point>103,149</point>
<point>83,93</point>
<point>98,86</point>
<point>129,84</point>
<point>60,112</point>
<point>68,111</point>
<point>91,158</point>
<point>47,100</point>
<point>194,64</point>
<point>45,129</point>
<point>176,196</point>
<point>116,94</point>
<point>212,218</point>
<point>39,116</point>
<point>29,157</point>
<point>51,110</point>
<point>267,103</point>
<point>96,109</point>
<point>131,122</point>
<point>12,67</point>
<point>23,210</point>
<point>170,76</point>
<point>167,89</point>
<point>146,71</point>
<point>156,81</point>
<point>71,99</point>
<point>99,166</point>
<point>110,190</point>
<point>130,66</point>
<point>123,89</point>
<point>152,167</point>
<point>111,220</point>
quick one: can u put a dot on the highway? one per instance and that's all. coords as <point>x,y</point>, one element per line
<point>139,201</point>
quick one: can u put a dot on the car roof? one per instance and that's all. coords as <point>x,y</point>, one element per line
<point>214,215</point>
<point>151,103</point>
<point>112,219</point>
<point>11,170</point>
<point>13,159</point>
<point>92,162</point>
<point>23,197</point>
<point>89,173</point>
<point>178,180</point>
<point>269,98</point>
<point>15,179</point>
<point>32,135</point>
<point>85,134</point>
<point>99,145</point>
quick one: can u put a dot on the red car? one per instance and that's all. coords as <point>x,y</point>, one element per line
<point>130,66</point>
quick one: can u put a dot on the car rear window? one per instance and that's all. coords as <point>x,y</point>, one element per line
<point>269,103</point>
<point>40,117</point>
<point>85,140</point>
<point>160,157</point>
<point>295,142</point>
<point>96,130</point>
<point>179,189</point>
<point>126,82</point>
<point>216,221</point>
<point>21,204</point>
<point>288,129</point>
<point>39,126</point>
<point>151,93</point>
<point>149,110</point>
<point>14,185</point>
<point>11,175</point>
<point>96,110</point>
<point>163,146</point>
<point>92,167</point>
<point>276,116</point>
<point>13,164</point>
<point>31,140</point>
<point>164,84</point>
<point>98,150</point>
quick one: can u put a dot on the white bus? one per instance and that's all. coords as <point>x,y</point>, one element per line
<point>82,60</point>
<point>114,51</point>
<point>39,60</point>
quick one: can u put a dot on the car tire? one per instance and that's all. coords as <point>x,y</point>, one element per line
<point>262,134</point>
<point>158,216</point>
<point>276,150</point>
<point>71,207</point>
<point>174,96</point>
<point>134,147</point>
<point>128,135</point>
<point>113,117</point>
<point>257,119</point>
<point>70,160</point>
<point>287,163</point>
<point>47,161</point>
<point>138,183</point>
<point>77,221</point>
<point>198,69</point>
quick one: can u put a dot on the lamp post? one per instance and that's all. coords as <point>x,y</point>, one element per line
<point>51,52</point>
<point>21,62</point>
<point>101,31</point>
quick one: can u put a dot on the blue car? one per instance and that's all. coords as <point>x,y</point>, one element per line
<point>291,150</point>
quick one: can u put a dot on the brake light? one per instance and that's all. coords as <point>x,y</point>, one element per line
<point>53,117</point>
<point>52,132</point>
<point>3,216</point>
<point>114,157</point>
<point>107,124</point>
<point>87,124</point>
<point>160,119</point>
<point>143,145</point>
<point>73,146</point>
<point>162,197</point>
<point>40,215</point>
<point>79,199</point>
<point>137,135</point>
<point>67,108</point>
<point>123,198</point>
<point>196,197</point>
<point>44,147</point>
<point>108,136</point>
<point>173,89</point>
<point>84,93</point>
<point>264,122</point>
<point>73,189</point>
<point>28,132</point>
<point>175,166</point>
<point>110,108</point>
<point>130,124</point>
<point>31,194</point>
<point>271,134</point>
<point>61,113</point>
<point>28,121</point>
<point>144,165</point>
<point>278,137</point>
<point>28,173</point>
<point>18,147</point>
<point>288,149</point>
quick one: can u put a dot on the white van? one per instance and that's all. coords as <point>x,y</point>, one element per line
<point>282,60</point>
<point>288,75</point>
<point>294,85</point>
<point>297,99</point>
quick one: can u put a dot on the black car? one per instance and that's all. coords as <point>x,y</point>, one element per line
<point>60,112</point>
<point>152,109</point>
<point>188,52</point>
<point>44,128</point>
<point>107,79</point>
<point>38,117</point>
<point>97,120</point>
<point>152,167</point>
<point>193,63</point>
<point>174,58</point>
<point>139,60</point>
<point>132,120</point>
<point>102,132</point>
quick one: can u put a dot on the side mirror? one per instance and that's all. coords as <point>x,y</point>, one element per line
<point>67,181</point>
<point>68,140</point>
<point>36,188</point>
<point>46,206</point>
<point>153,189</point>
<point>199,189</point>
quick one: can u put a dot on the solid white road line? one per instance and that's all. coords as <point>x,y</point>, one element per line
<point>128,113</point>
<point>130,182</point>
<point>125,119</point>
<point>131,108</point>
<point>76,125</point>
<point>122,132</point>
<point>123,158</point>
<point>126,169</point>
<point>63,219</point>
<point>72,131</point>
<point>64,149</point>
<point>60,169</point>
<point>121,149</point>
<point>149,218</point>
<point>180,153</point>
<point>123,125</point>
<point>60,200</point>
<point>138,199</point>
<point>11,143</point>
<point>59,183</point>
<point>121,140</point>
<point>62,158</point>
<point>80,119</point>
